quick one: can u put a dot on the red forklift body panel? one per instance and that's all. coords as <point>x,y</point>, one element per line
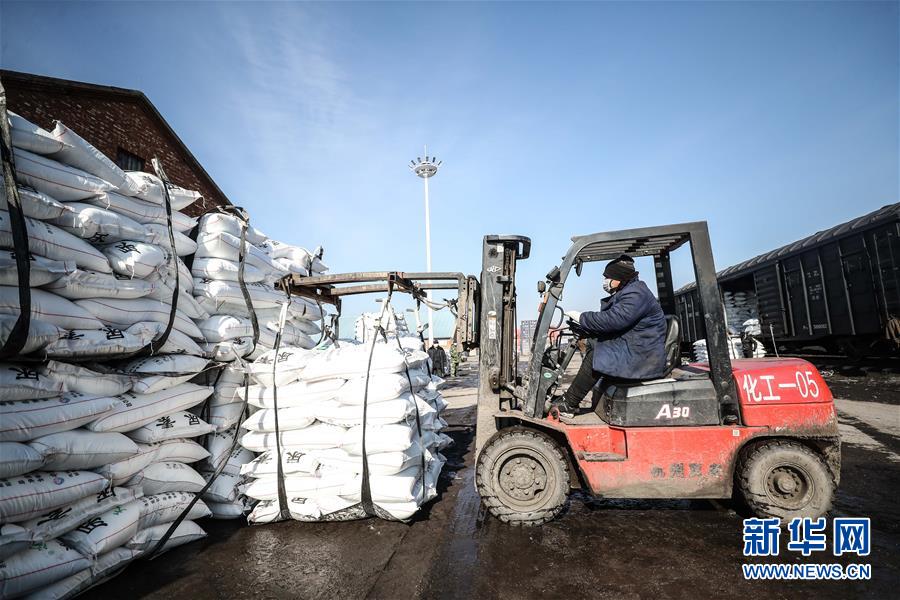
<point>778,398</point>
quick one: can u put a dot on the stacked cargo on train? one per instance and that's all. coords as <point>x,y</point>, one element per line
<point>838,289</point>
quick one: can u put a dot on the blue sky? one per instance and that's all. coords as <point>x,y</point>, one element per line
<point>769,120</point>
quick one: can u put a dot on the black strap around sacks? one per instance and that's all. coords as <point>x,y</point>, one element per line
<point>18,335</point>
<point>284,512</point>
<point>365,487</point>
<point>157,549</point>
<point>412,392</point>
<point>244,218</point>
<point>155,345</point>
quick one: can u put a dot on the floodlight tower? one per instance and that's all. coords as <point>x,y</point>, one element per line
<point>426,169</point>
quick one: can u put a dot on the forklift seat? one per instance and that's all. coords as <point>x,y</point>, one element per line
<point>673,344</point>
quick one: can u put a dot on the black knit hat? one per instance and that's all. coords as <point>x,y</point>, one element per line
<point>621,269</point>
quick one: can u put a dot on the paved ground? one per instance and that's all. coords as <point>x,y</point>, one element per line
<point>599,548</point>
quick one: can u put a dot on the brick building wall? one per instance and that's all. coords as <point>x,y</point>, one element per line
<point>112,119</point>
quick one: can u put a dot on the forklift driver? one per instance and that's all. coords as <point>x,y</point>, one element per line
<point>627,334</point>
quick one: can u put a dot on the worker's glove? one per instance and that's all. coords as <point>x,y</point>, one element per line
<point>574,315</point>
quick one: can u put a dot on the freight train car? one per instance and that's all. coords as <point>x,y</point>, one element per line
<point>838,288</point>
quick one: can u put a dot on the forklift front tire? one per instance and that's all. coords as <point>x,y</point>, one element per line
<point>522,476</point>
<point>784,479</point>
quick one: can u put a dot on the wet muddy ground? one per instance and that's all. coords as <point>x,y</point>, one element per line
<point>598,548</point>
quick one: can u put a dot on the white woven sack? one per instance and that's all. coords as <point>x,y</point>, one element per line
<point>179,343</point>
<point>140,211</point>
<point>23,498</point>
<point>380,463</point>
<point>224,270</point>
<point>228,510</point>
<point>179,450</point>
<point>322,483</point>
<point>106,531</point>
<point>133,208</point>
<point>136,410</point>
<point>381,387</point>
<point>352,360</point>
<point>25,420</point>
<point>82,449</point>
<point>296,417</point>
<point>60,181</point>
<point>219,446</point>
<point>49,308</point>
<point>78,152</point>
<point>35,204</point>
<point>219,328</point>
<point>224,489</point>
<point>24,382</point>
<point>79,284</point>
<point>292,461</point>
<point>299,393</point>
<point>225,416</point>
<point>147,539</point>
<point>135,259</point>
<point>39,566</point>
<point>121,472</point>
<point>159,234</point>
<point>158,383</point>
<point>308,327</point>
<point>215,222</point>
<point>26,135</point>
<point>229,386</point>
<point>107,341</point>
<point>168,506</point>
<point>227,246</point>
<point>16,459</point>
<point>161,477</point>
<point>281,367</point>
<point>49,240</point>
<point>382,412</point>
<point>175,425</point>
<point>262,295</point>
<point>123,314</point>
<point>106,566</point>
<point>87,381</point>
<point>98,225</point>
<point>380,438</point>
<point>54,523</point>
<point>314,437</point>
<point>40,333</point>
<point>228,351</point>
<point>404,486</point>
<point>234,464</point>
<point>170,364</point>
<point>292,266</point>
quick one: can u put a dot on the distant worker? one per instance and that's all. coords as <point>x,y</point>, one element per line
<point>454,359</point>
<point>628,335</point>
<point>438,358</point>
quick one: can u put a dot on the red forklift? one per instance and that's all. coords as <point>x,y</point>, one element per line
<point>763,431</point>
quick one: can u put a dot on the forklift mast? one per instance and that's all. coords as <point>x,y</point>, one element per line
<point>497,352</point>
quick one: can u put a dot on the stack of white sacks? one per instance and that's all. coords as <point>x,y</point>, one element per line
<point>735,345</point>
<point>96,458</point>
<point>228,332</point>
<point>321,394</point>
<point>100,453</point>
<point>392,322</point>
<point>739,307</point>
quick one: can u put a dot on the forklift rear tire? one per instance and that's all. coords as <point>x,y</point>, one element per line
<point>522,476</point>
<point>785,479</point>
